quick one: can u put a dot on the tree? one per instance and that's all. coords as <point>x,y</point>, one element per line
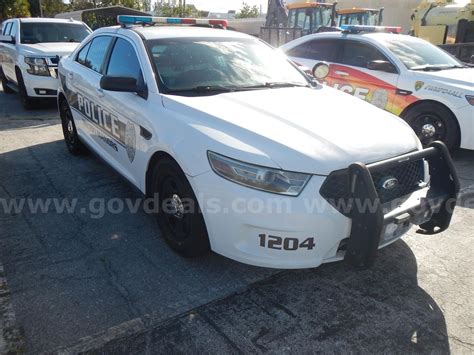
<point>53,7</point>
<point>77,5</point>
<point>14,8</point>
<point>248,11</point>
<point>167,10</point>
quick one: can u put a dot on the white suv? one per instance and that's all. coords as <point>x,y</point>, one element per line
<point>30,50</point>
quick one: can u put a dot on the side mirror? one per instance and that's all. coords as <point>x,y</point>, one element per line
<point>321,70</point>
<point>122,84</point>
<point>7,39</point>
<point>381,65</point>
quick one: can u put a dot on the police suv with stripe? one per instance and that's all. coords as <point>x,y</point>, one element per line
<point>220,129</point>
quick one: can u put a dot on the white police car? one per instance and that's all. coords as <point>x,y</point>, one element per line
<point>222,129</point>
<point>407,76</point>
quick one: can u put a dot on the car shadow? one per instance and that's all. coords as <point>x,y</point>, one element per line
<point>76,274</point>
<point>331,309</point>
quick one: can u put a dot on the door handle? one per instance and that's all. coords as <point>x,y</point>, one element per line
<point>70,75</point>
<point>100,92</point>
<point>341,73</point>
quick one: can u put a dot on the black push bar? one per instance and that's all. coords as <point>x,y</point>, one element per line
<point>436,209</point>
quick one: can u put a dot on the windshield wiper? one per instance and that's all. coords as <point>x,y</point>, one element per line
<point>436,67</point>
<point>272,85</point>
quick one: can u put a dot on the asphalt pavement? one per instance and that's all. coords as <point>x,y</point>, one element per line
<point>82,283</point>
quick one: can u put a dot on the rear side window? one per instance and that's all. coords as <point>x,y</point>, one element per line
<point>323,50</point>
<point>298,51</point>
<point>358,54</point>
<point>124,60</point>
<point>96,54</point>
<point>6,29</point>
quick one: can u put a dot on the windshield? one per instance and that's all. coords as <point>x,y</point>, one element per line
<point>420,55</point>
<point>310,19</point>
<point>361,18</point>
<point>49,32</point>
<point>226,63</point>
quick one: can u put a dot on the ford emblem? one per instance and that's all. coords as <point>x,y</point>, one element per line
<point>390,183</point>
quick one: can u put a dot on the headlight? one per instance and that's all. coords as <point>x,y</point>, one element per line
<point>258,177</point>
<point>470,99</point>
<point>38,66</point>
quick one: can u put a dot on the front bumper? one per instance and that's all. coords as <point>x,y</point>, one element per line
<point>40,86</point>
<point>236,217</point>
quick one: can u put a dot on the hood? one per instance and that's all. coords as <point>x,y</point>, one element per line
<point>462,78</point>
<point>48,49</point>
<point>300,129</point>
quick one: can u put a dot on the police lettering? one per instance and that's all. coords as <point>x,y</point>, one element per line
<point>102,118</point>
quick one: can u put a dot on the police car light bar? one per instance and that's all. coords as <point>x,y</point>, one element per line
<point>359,28</point>
<point>150,20</point>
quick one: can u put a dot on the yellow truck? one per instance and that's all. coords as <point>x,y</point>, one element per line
<point>360,16</point>
<point>447,23</point>
<point>287,21</point>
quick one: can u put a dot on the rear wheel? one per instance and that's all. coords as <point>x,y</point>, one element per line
<point>432,122</point>
<point>27,101</point>
<point>179,216</point>
<point>73,144</point>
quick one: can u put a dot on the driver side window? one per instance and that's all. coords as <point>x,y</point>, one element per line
<point>358,54</point>
<point>124,61</point>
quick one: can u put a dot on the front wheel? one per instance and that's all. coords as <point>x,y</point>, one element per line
<point>28,102</point>
<point>179,216</point>
<point>433,122</point>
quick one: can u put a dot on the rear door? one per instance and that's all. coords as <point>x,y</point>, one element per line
<point>85,100</point>
<point>312,52</point>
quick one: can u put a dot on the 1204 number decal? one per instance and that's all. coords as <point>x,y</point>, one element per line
<point>290,244</point>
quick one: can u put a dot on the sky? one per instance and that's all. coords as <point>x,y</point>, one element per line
<point>225,5</point>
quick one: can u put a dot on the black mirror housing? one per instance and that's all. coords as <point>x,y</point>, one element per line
<point>123,84</point>
<point>381,65</point>
<point>118,83</point>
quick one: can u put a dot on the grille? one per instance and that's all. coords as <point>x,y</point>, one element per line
<point>54,60</point>
<point>409,175</point>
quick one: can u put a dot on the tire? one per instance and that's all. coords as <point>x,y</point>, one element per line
<point>433,122</point>
<point>28,102</point>
<point>73,143</point>
<point>179,215</point>
<point>6,88</point>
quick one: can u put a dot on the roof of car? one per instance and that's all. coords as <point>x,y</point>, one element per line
<point>46,19</point>
<point>157,32</point>
<point>377,37</point>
